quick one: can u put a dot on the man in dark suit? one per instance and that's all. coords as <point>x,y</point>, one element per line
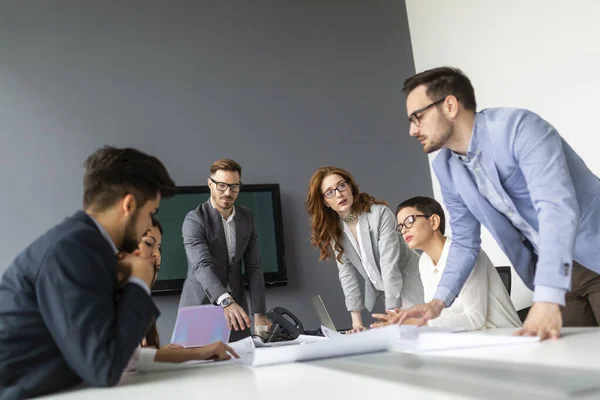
<point>217,236</point>
<point>63,319</point>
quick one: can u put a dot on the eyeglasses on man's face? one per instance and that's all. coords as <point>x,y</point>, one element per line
<point>415,116</point>
<point>409,222</point>
<point>341,187</point>
<point>222,186</point>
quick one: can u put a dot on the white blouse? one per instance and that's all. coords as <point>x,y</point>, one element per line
<point>483,301</point>
<point>372,271</point>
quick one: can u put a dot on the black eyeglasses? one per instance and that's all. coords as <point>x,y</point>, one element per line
<point>340,188</point>
<point>409,222</point>
<point>416,119</point>
<point>222,186</point>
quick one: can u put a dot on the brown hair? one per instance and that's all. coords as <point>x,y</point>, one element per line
<point>226,164</point>
<point>324,222</point>
<point>442,82</point>
<point>152,339</point>
<point>112,173</point>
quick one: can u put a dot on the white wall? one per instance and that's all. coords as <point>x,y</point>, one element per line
<point>537,54</point>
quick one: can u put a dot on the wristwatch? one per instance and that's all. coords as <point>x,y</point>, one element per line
<point>227,301</point>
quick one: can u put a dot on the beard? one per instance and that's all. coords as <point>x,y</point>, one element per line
<point>448,128</point>
<point>130,239</point>
<point>221,204</point>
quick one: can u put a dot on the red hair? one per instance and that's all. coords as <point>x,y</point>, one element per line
<point>324,222</point>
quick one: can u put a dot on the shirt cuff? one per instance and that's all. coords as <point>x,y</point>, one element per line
<point>390,304</point>
<point>223,297</point>
<point>147,355</point>
<point>140,283</point>
<point>548,294</point>
<point>444,294</point>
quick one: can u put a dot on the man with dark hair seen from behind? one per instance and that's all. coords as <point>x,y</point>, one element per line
<point>510,170</point>
<point>63,318</point>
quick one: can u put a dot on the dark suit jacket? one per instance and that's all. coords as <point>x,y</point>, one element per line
<point>209,270</point>
<point>62,320</point>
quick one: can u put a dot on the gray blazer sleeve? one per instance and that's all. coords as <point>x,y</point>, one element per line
<point>254,271</point>
<point>391,258</point>
<point>199,258</point>
<point>350,285</point>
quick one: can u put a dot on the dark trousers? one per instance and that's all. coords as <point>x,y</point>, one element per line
<point>582,306</point>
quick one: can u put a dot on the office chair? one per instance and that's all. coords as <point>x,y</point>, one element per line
<point>504,273</point>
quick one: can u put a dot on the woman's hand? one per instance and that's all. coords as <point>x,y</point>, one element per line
<point>355,329</point>
<point>217,351</point>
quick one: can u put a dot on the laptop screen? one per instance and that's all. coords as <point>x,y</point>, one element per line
<point>324,317</point>
<point>200,325</point>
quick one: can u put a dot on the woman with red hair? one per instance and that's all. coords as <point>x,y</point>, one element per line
<point>359,231</point>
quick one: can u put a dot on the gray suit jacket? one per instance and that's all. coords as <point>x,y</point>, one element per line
<point>398,265</point>
<point>209,272</point>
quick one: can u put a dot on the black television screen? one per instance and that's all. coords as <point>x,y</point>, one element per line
<point>265,203</point>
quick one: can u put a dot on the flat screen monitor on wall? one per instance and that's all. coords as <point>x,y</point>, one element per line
<point>265,203</point>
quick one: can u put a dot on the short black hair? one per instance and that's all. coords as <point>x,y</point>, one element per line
<point>442,82</point>
<point>427,206</point>
<point>112,173</point>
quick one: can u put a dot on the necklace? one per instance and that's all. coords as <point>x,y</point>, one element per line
<point>350,217</point>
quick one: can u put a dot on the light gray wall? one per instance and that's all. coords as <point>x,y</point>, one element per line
<point>282,87</point>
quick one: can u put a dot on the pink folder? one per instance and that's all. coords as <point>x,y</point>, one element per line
<point>200,325</point>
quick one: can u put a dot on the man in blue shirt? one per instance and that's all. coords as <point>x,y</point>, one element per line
<point>511,171</point>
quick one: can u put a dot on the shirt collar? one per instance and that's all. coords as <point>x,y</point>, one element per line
<point>473,149</point>
<point>223,218</point>
<point>104,233</point>
<point>441,265</point>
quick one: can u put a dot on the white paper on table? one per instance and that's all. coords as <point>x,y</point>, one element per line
<point>371,341</point>
<point>412,332</point>
<point>166,366</point>
<point>244,348</point>
<point>436,341</point>
<point>329,333</point>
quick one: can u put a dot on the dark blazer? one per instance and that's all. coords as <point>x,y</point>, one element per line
<point>209,271</point>
<point>62,321</point>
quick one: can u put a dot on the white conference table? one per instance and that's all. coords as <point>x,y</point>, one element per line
<point>545,370</point>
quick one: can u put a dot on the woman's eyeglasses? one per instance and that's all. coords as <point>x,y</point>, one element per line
<point>409,222</point>
<point>340,188</point>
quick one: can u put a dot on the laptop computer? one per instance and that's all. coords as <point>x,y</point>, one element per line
<point>200,325</point>
<point>324,317</point>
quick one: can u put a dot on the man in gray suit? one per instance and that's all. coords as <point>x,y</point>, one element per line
<point>217,236</point>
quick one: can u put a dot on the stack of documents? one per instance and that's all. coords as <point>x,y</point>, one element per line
<point>405,338</point>
<point>375,340</point>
